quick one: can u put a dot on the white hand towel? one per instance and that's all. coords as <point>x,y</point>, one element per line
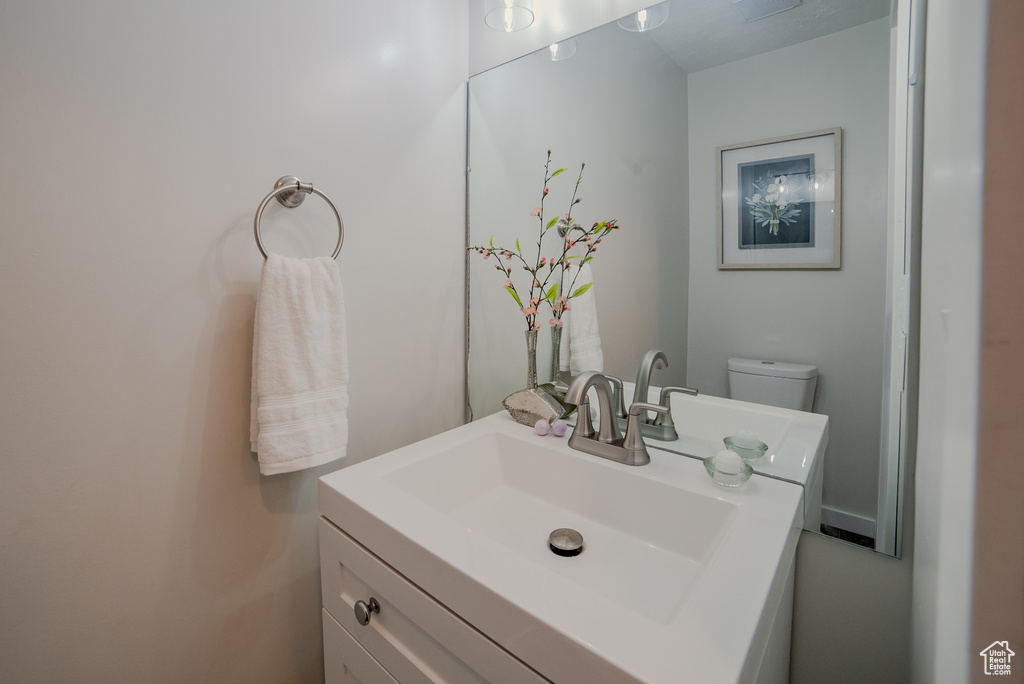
<point>584,342</point>
<point>299,416</point>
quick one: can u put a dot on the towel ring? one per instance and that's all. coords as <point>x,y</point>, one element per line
<point>291,192</point>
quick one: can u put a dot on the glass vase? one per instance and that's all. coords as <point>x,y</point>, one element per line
<point>527,406</point>
<point>556,348</point>
<point>531,359</point>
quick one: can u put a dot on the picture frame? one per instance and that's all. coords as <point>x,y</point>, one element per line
<point>780,202</point>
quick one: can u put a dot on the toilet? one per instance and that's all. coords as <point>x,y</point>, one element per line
<point>786,385</point>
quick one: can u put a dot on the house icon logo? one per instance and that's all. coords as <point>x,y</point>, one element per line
<point>997,658</point>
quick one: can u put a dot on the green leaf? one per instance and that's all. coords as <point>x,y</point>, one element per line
<point>515,297</point>
<point>550,296</point>
<point>581,290</point>
<point>558,171</point>
<point>551,223</point>
<point>492,242</point>
<point>518,249</point>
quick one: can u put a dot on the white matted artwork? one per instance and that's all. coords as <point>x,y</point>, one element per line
<point>780,202</point>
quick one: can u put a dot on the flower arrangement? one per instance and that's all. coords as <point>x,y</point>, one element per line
<point>769,206</point>
<point>552,280</point>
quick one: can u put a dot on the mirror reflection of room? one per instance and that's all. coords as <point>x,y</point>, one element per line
<point>647,112</point>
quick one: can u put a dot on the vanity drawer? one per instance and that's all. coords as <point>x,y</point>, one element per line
<point>415,638</point>
<point>345,661</point>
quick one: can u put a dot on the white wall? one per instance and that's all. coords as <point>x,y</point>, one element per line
<point>138,541</point>
<point>950,312</point>
<point>620,106</point>
<point>832,319</point>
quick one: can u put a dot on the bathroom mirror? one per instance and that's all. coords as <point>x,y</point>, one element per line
<point>647,113</point>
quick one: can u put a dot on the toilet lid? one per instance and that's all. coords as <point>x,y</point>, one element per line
<point>774,369</point>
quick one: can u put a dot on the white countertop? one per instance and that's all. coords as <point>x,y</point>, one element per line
<point>561,615</point>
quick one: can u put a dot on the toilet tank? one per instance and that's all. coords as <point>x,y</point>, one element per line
<point>786,385</point>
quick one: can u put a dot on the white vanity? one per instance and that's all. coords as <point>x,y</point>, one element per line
<point>443,546</point>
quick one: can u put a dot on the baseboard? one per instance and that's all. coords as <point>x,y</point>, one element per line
<point>848,521</point>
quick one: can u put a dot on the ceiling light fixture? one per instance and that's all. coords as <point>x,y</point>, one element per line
<point>508,15</point>
<point>646,19</point>
<point>558,52</point>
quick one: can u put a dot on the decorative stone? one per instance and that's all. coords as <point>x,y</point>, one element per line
<point>530,405</point>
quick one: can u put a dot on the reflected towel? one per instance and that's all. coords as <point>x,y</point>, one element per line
<point>299,411</point>
<point>580,349</point>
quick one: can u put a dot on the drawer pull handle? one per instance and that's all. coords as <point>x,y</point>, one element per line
<point>364,610</point>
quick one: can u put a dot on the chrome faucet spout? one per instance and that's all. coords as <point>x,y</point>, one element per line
<point>577,392</point>
<point>655,358</point>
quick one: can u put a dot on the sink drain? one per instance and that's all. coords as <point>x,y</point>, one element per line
<point>566,542</point>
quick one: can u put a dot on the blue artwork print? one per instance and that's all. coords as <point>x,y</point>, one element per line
<point>776,203</point>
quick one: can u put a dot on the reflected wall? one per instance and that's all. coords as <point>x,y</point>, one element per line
<point>648,132</point>
<point>831,319</point>
<point>620,107</point>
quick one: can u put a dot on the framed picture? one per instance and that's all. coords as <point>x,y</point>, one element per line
<point>780,202</point>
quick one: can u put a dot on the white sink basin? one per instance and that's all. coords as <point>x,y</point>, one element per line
<point>515,490</point>
<point>678,574</point>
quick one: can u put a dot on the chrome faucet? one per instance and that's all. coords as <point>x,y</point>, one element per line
<point>577,394</point>
<point>655,358</point>
<point>662,427</point>
<point>608,442</point>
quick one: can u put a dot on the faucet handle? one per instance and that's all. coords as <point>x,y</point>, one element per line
<point>634,439</point>
<point>666,418</point>
<point>584,426</point>
<point>617,402</point>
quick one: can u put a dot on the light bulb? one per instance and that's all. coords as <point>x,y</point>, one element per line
<point>646,19</point>
<point>508,15</point>
<point>558,52</point>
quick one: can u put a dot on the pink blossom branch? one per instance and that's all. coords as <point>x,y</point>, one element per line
<point>557,297</point>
